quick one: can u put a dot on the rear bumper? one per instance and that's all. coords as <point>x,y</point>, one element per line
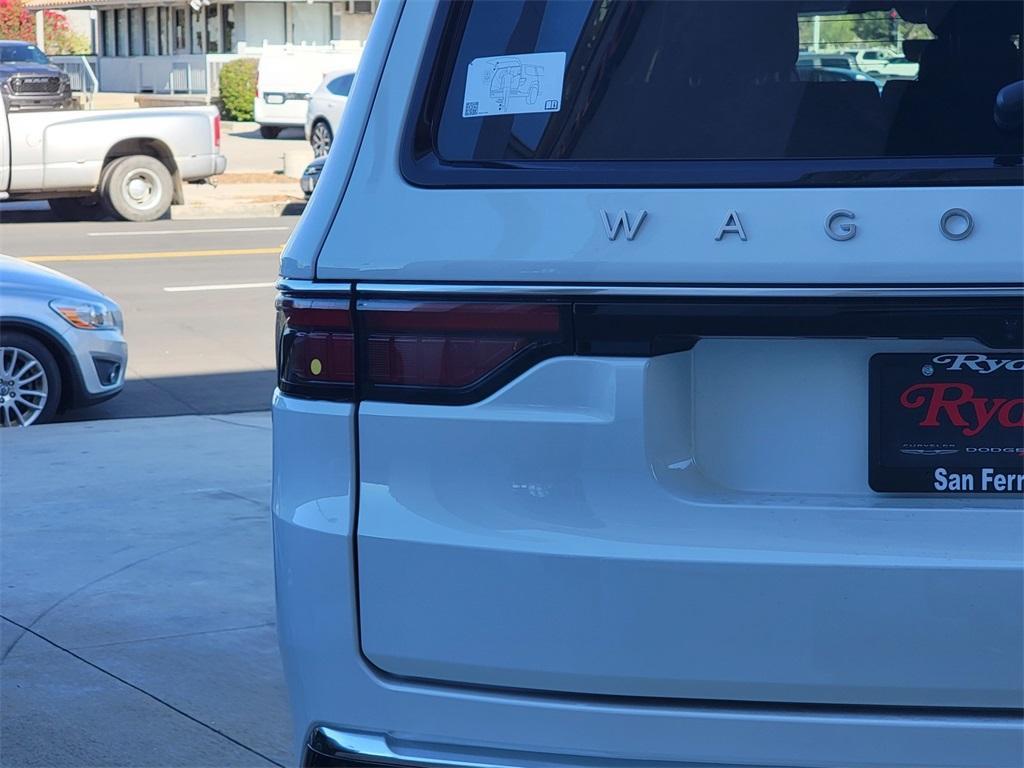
<point>335,748</point>
<point>202,166</point>
<point>291,113</point>
<point>333,686</point>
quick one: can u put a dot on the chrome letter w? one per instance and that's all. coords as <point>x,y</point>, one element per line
<point>622,222</point>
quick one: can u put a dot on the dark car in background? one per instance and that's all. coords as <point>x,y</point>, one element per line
<point>312,175</point>
<point>29,81</point>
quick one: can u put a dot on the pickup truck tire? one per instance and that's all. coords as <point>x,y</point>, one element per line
<point>77,208</point>
<point>138,188</point>
<point>270,131</point>
<point>32,380</point>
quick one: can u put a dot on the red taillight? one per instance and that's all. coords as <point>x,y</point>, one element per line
<point>417,351</point>
<point>216,131</point>
<point>315,347</point>
<point>450,345</point>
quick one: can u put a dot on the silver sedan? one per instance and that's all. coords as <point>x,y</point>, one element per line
<point>61,344</point>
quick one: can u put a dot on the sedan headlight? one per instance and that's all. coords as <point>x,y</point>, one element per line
<point>88,315</point>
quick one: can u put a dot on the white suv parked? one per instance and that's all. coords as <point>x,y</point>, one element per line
<point>670,414</point>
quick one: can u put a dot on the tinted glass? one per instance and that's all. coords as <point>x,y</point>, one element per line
<point>340,86</point>
<point>689,80</point>
<point>22,53</point>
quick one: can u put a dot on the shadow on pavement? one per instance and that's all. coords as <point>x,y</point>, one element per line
<point>207,393</point>
<point>27,212</point>
<point>286,133</point>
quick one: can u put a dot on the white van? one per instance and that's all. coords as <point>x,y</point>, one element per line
<point>286,79</point>
<point>662,409</point>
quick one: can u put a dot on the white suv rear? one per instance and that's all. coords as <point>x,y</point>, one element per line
<point>640,404</point>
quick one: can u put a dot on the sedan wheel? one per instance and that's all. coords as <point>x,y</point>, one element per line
<point>320,138</point>
<point>24,387</point>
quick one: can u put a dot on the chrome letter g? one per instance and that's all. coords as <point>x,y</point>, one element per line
<point>837,228</point>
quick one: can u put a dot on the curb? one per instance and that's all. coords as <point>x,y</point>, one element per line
<point>240,211</point>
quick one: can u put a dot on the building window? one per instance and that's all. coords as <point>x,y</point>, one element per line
<point>135,41</point>
<point>197,31</point>
<point>180,30</point>
<point>109,33</point>
<point>162,23</point>
<point>152,33</point>
<point>121,21</point>
<point>264,22</point>
<point>311,23</point>
<point>213,29</point>
<point>361,6</point>
<point>227,28</point>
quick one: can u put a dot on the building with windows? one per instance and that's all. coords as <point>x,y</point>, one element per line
<point>142,46</point>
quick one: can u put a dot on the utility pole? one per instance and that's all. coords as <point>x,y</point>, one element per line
<point>816,45</point>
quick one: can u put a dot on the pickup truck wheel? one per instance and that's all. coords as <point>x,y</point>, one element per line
<point>77,208</point>
<point>269,131</point>
<point>138,188</point>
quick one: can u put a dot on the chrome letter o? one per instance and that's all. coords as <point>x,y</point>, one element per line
<point>956,234</point>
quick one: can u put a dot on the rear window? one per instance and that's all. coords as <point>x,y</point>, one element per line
<point>340,86</point>
<point>688,92</point>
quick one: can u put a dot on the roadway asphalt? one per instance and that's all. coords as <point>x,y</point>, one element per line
<point>198,301</point>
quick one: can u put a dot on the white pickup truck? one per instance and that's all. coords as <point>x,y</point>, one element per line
<point>131,164</point>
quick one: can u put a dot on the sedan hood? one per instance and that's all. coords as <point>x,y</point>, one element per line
<point>16,274</point>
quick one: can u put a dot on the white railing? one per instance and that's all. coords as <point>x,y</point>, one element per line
<point>81,70</point>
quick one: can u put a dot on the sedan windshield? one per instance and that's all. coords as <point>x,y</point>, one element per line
<point>17,53</point>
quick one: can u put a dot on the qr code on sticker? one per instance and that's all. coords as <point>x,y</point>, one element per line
<point>471,108</point>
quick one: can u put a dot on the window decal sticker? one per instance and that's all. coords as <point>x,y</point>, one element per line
<point>515,84</point>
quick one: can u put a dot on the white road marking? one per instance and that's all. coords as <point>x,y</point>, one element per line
<point>224,287</point>
<point>144,232</point>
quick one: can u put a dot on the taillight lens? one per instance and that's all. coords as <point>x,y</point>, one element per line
<point>315,348</point>
<point>216,131</point>
<point>441,352</point>
<point>453,351</point>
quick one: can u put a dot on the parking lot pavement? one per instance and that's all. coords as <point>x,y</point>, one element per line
<point>137,605</point>
<point>248,152</point>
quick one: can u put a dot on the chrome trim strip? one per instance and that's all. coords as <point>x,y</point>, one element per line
<point>373,748</point>
<point>652,291</point>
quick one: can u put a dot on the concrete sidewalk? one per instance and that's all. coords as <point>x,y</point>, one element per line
<point>242,195</point>
<point>137,595</point>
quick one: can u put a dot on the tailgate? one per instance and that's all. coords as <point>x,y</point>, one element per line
<point>684,508</point>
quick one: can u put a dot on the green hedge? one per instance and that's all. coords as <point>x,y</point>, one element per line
<point>238,88</point>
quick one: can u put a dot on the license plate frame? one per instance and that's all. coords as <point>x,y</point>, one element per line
<point>937,426</point>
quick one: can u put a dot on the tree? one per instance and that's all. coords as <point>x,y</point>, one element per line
<point>18,23</point>
<point>60,38</point>
<point>238,88</point>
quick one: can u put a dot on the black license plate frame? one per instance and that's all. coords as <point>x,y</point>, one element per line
<point>946,422</point>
